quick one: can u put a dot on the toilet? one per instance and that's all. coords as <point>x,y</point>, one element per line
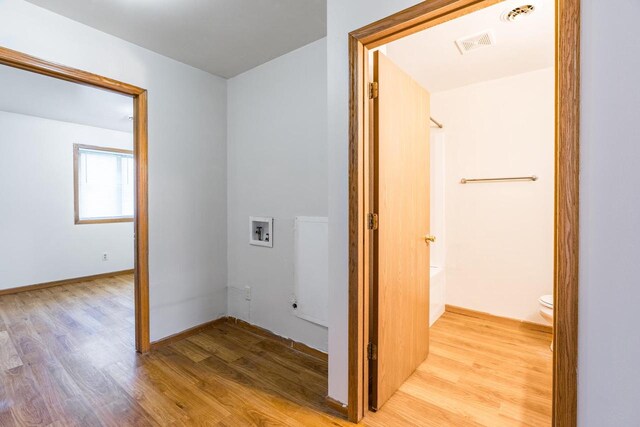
<point>546,310</point>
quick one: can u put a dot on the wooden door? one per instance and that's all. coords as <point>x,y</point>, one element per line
<point>400,287</point>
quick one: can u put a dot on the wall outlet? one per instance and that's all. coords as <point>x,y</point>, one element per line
<point>247,293</point>
<point>105,256</point>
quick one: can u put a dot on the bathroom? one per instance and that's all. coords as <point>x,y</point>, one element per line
<point>489,81</point>
<point>494,239</point>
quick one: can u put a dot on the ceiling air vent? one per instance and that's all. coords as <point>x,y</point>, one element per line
<point>518,13</point>
<point>475,42</point>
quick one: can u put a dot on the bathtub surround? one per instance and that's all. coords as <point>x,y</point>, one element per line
<point>437,227</point>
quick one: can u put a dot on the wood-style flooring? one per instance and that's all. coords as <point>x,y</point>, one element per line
<point>67,359</point>
<point>478,373</point>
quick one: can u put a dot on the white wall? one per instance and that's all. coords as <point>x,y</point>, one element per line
<point>40,242</point>
<point>609,345</point>
<point>609,342</point>
<point>499,248</point>
<point>187,158</point>
<point>277,157</point>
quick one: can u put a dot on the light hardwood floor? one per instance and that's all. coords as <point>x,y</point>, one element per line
<point>67,358</point>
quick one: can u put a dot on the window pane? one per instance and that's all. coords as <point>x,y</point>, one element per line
<point>105,184</point>
<point>127,186</point>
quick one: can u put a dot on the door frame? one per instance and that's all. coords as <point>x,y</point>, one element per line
<point>30,63</point>
<point>566,217</point>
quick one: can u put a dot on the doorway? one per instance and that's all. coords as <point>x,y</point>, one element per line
<point>139,169</point>
<point>363,250</point>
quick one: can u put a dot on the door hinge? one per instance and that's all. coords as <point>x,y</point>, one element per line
<point>373,90</point>
<point>372,221</point>
<point>372,351</point>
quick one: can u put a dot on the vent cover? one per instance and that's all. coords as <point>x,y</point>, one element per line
<point>475,42</point>
<point>518,13</point>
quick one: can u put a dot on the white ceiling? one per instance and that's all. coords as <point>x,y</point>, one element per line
<point>223,37</point>
<point>33,94</point>
<point>433,59</point>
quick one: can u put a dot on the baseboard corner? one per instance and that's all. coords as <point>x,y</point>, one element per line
<point>337,406</point>
<point>162,342</point>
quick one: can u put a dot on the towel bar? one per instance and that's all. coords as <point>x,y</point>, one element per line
<point>513,178</point>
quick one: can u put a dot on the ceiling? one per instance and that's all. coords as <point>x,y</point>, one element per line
<point>33,94</point>
<point>223,37</point>
<point>433,59</point>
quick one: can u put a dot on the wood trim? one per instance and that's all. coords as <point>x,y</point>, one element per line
<point>521,324</point>
<point>416,18</point>
<point>23,61</point>
<point>338,407</point>
<point>186,333</point>
<point>565,339</point>
<point>104,220</point>
<point>356,395</point>
<point>76,185</point>
<point>46,285</point>
<point>409,21</point>
<point>30,63</point>
<point>105,149</point>
<point>287,342</point>
<point>141,223</point>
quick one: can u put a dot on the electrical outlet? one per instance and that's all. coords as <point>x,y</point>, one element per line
<point>105,256</point>
<point>247,293</point>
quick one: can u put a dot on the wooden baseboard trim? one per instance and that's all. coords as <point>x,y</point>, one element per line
<point>504,320</point>
<point>63,282</point>
<point>339,407</point>
<point>186,333</point>
<point>287,342</point>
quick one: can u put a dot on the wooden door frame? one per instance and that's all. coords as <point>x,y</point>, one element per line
<point>26,62</point>
<point>567,67</point>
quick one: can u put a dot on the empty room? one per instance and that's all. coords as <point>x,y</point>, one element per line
<point>318,212</point>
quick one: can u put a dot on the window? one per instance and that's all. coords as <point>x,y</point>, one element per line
<point>104,184</point>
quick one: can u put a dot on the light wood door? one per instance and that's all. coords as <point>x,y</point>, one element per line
<point>400,292</point>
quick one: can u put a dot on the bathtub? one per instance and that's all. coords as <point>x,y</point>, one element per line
<point>436,294</point>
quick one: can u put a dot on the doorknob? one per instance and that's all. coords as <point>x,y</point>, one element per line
<point>429,239</point>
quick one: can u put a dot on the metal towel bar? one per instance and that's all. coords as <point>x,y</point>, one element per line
<point>513,178</point>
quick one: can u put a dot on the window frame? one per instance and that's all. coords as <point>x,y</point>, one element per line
<point>76,185</point>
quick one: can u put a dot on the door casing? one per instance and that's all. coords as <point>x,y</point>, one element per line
<point>26,62</point>
<point>566,232</point>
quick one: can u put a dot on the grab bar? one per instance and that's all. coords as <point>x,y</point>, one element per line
<point>513,178</point>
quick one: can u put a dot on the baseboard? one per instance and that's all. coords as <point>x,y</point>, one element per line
<point>339,407</point>
<point>62,282</point>
<point>287,342</point>
<point>504,320</point>
<point>186,333</point>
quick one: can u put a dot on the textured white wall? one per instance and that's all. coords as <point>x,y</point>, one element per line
<point>499,247</point>
<point>187,158</point>
<point>40,242</point>
<point>609,342</point>
<point>277,163</point>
